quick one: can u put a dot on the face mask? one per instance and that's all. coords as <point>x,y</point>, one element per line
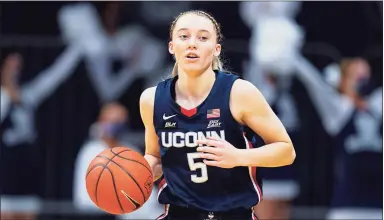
<point>113,130</point>
<point>363,86</point>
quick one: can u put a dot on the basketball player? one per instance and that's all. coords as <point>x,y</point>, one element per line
<point>352,115</point>
<point>196,125</point>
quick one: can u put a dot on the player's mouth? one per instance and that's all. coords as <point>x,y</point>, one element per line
<point>192,57</point>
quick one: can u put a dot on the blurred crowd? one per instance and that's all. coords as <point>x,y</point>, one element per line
<point>60,108</point>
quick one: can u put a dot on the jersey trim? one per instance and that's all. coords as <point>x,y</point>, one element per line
<point>162,186</point>
<point>188,112</point>
<point>252,174</point>
<point>254,217</point>
<point>165,214</point>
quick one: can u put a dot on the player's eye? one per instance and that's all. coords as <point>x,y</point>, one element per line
<point>183,36</point>
<point>203,38</point>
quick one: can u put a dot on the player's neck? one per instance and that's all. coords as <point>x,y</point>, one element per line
<point>195,87</point>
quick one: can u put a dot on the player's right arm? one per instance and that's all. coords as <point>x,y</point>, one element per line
<point>152,148</point>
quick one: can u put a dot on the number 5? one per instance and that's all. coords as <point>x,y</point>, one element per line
<point>198,165</point>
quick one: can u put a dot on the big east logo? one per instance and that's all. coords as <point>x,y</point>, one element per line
<point>189,139</point>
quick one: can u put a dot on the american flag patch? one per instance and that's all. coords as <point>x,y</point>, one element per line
<point>213,113</point>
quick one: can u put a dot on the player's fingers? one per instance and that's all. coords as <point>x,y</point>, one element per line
<point>215,138</point>
<point>210,150</point>
<point>209,156</point>
<point>212,163</point>
<point>208,142</point>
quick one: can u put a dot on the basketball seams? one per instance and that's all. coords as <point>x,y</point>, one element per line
<point>125,150</point>
<point>101,173</point>
<point>94,178</point>
<point>113,152</point>
<point>122,168</point>
<point>94,166</point>
<point>117,155</point>
<point>114,188</point>
<point>97,183</point>
<point>114,155</point>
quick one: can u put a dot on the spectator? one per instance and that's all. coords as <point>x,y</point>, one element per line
<point>352,114</point>
<point>19,154</point>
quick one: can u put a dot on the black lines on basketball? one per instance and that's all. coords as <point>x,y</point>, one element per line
<point>101,173</point>
<point>98,179</point>
<point>117,155</point>
<point>96,165</point>
<point>122,168</point>
<point>114,188</point>
<point>111,149</point>
<point>117,190</point>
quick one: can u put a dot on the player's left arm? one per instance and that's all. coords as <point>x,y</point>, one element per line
<point>249,107</point>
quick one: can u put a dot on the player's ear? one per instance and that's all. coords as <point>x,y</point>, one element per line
<point>217,50</point>
<point>170,48</point>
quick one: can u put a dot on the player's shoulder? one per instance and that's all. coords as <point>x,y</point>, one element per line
<point>246,96</point>
<point>148,96</point>
<point>244,88</point>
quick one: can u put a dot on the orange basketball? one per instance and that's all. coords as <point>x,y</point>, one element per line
<point>119,180</point>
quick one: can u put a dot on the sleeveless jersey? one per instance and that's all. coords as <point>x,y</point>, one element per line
<point>188,182</point>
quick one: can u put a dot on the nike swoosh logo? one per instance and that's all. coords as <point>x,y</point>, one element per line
<point>134,202</point>
<point>168,117</point>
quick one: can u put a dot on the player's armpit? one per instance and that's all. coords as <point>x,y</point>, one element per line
<point>250,108</point>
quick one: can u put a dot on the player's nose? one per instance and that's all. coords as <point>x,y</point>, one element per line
<point>192,44</point>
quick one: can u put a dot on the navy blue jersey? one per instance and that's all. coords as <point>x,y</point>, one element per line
<point>359,181</point>
<point>188,181</point>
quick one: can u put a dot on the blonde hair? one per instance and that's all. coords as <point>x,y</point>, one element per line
<point>217,64</point>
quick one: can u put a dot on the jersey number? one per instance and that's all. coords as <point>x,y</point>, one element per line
<point>194,166</point>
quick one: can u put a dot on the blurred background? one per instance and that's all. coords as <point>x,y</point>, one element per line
<point>72,74</point>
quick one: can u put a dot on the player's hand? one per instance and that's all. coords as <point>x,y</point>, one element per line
<point>219,153</point>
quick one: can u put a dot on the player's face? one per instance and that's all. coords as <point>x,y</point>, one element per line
<point>194,43</point>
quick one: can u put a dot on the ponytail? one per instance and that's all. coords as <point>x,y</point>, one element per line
<point>174,70</point>
<point>216,65</point>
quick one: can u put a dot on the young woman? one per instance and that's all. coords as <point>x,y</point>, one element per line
<point>195,130</point>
